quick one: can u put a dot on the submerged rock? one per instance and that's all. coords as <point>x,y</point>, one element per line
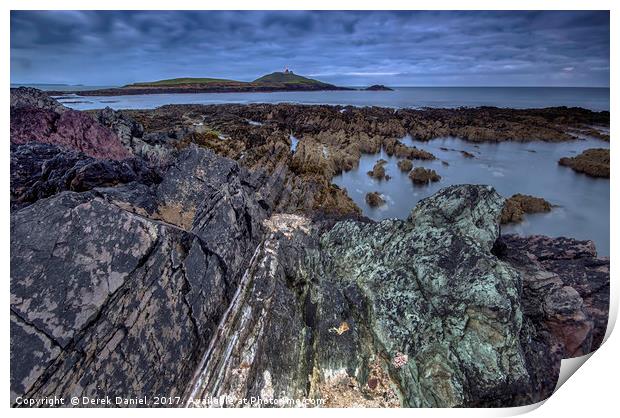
<point>518,205</point>
<point>421,175</point>
<point>374,199</point>
<point>593,162</point>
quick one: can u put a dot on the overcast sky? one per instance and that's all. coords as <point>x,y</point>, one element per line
<point>346,48</point>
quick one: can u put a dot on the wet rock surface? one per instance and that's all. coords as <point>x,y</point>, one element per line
<point>518,205</point>
<point>593,162</point>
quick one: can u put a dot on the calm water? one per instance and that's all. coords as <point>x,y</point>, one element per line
<point>582,202</point>
<point>516,97</point>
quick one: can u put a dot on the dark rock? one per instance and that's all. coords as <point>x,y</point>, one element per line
<point>566,289</point>
<point>378,87</point>
<point>106,300</point>
<point>27,97</point>
<point>42,170</point>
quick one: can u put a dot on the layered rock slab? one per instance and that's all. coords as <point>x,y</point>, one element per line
<point>109,300</point>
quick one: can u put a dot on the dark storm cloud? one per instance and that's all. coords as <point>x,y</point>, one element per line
<point>349,48</point>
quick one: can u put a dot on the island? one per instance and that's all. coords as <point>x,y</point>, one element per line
<point>378,87</point>
<point>285,80</point>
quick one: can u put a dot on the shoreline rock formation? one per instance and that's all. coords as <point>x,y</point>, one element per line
<point>184,271</point>
<point>594,162</point>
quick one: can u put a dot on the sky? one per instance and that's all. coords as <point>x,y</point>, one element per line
<point>450,48</point>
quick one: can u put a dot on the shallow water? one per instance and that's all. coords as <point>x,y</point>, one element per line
<point>531,168</point>
<point>515,97</point>
<point>294,142</point>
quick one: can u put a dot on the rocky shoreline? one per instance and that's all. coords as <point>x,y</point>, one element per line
<point>593,162</point>
<point>187,252</point>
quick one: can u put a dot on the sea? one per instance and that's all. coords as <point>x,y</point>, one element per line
<point>411,97</point>
<point>581,203</point>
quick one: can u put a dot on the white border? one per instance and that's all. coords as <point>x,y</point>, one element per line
<point>592,392</point>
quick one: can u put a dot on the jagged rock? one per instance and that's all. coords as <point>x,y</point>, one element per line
<point>43,170</point>
<point>124,127</point>
<point>27,97</point>
<point>566,289</point>
<point>107,300</point>
<point>378,87</point>
<point>518,205</point>
<point>593,162</point>
<point>405,165</point>
<point>374,199</point>
<point>421,175</point>
<point>421,312</point>
<point>69,129</point>
<point>158,148</point>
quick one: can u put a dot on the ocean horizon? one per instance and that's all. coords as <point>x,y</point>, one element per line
<point>593,98</point>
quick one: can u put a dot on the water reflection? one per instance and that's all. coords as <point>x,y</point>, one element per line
<point>511,167</point>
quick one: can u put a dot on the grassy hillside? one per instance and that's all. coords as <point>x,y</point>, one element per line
<point>182,81</point>
<point>286,78</point>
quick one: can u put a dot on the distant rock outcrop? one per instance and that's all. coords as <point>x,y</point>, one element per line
<point>378,87</point>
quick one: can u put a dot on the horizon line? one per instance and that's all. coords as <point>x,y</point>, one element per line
<point>343,85</point>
